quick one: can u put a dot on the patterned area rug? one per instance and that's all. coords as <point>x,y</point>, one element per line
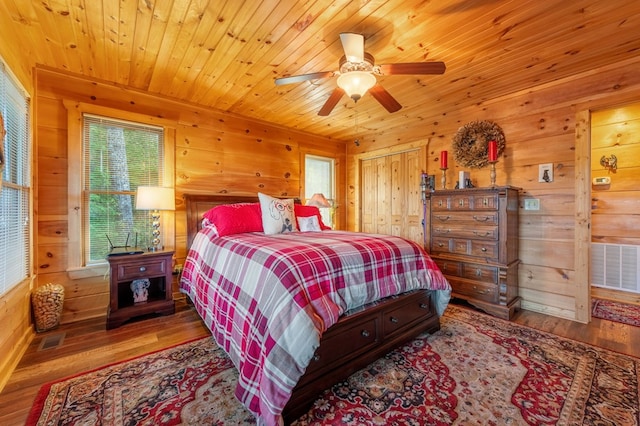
<point>616,311</point>
<point>476,370</point>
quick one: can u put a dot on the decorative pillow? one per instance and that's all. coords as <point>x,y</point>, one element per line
<point>308,224</point>
<point>307,211</point>
<point>235,218</point>
<point>278,215</point>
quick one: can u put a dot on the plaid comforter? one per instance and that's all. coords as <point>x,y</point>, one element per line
<point>268,298</point>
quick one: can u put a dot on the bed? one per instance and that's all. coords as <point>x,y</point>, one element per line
<point>304,338</point>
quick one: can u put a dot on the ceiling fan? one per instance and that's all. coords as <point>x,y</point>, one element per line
<point>357,75</point>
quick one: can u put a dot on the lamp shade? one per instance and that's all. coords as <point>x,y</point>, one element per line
<point>318,200</point>
<point>155,198</point>
<point>356,83</point>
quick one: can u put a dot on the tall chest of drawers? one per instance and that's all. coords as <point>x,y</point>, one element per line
<point>474,241</point>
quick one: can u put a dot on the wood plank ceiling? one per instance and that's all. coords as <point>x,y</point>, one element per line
<point>225,54</point>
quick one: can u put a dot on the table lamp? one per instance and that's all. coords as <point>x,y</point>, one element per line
<point>155,198</point>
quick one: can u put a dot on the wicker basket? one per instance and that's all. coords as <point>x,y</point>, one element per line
<point>47,306</point>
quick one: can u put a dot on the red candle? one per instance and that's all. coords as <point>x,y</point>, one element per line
<point>493,151</point>
<point>443,160</point>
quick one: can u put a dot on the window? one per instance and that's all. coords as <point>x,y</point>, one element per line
<point>15,183</point>
<point>118,156</point>
<point>319,177</point>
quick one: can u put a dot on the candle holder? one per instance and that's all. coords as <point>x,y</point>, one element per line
<point>492,175</point>
<point>443,179</point>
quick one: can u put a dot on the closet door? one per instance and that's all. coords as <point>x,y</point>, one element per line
<point>390,195</point>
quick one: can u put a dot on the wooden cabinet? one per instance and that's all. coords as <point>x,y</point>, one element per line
<point>154,272</point>
<point>474,241</point>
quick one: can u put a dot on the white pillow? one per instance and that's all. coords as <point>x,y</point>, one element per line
<point>309,224</point>
<point>278,216</point>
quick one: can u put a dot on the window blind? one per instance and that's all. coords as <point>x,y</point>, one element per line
<point>118,157</point>
<point>15,186</point>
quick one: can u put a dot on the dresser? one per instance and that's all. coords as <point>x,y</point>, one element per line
<point>474,240</point>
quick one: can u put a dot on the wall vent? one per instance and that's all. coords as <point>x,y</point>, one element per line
<point>615,266</point>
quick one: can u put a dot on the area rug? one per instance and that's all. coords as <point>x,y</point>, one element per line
<point>616,311</point>
<point>476,370</point>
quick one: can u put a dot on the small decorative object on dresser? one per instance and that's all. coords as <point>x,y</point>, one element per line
<point>140,284</point>
<point>474,241</point>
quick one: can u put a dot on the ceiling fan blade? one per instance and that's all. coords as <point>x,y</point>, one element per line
<point>331,102</point>
<point>413,68</point>
<point>353,45</point>
<point>303,77</point>
<point>385,98</point>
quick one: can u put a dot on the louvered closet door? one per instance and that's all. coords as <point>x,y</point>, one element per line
<point>391,202</point>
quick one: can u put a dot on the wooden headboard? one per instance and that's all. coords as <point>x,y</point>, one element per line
<point>198,204</point>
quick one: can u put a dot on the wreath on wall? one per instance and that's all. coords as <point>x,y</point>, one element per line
<point>471,143</point>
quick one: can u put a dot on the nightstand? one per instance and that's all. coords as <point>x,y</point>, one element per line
<point>154,271</point>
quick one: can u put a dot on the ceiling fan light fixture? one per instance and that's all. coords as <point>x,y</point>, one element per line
<point>356,83</point>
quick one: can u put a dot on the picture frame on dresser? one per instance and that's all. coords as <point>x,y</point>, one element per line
<point>473,238</point>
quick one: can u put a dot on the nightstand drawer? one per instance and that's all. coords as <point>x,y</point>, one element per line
<point>141,270</point>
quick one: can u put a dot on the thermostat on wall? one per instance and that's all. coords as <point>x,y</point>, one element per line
<point>605,180</point>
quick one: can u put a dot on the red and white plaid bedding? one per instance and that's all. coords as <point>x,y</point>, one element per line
<point>268,298</point>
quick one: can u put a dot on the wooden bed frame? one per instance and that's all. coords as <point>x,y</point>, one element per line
<point>357,339</point>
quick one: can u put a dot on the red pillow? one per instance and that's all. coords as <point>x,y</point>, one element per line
<point>235,218</point>
<point>308,211</point>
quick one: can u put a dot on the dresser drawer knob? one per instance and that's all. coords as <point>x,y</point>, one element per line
<point>143,268</point>
<point>478,272</point>
<point>316,357</point>
<point>393,320</point>
<point>484,249</point>
<point>424,306</point>
<point>365,333</point>
<point>440,245</point>
<point>443,218</point>
<point>461,203</point>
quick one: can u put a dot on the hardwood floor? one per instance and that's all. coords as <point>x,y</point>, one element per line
<point>88,345</point>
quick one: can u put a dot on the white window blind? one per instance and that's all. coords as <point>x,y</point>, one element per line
<point>118,157</point>
<point>319,177</point>
<point>15,185</point>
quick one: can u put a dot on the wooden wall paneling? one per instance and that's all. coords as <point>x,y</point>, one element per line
<point>614,207</point>
<point>19,54</point>
<point>548,303</point>
<point>545,227</point>
<point>582,244</point>
<point>16,332</point>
